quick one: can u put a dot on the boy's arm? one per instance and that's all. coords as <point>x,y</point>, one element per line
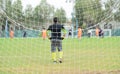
<point>64,32</point>
<point>48,32</point>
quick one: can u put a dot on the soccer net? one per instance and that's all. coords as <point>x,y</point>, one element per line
<point>23,50</point>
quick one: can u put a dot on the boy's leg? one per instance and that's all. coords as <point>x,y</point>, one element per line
<point>53,50</point>
<point>59,45</point>
<point>54,56</point>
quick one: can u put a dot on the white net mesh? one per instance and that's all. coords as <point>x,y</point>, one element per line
<point>23,50</point>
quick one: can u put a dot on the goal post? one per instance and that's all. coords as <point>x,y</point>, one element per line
<point>107,32</point>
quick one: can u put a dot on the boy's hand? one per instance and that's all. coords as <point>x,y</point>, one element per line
<point>64,35</point>
<point>62,38</point>
<point>49,38</point>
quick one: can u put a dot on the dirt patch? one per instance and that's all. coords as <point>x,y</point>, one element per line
<point>84,72</point>
<point>54,71</point>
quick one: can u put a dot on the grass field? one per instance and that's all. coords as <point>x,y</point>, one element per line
<point>86,56</point>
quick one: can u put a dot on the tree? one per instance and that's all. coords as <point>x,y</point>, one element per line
<point>28,14</point>
<point>1,3</point>
<point>109,5</point>
<point>5,6</point>
<point>117,15</point>
<point>42,13</point>
<point>60,13</point>
<point>8,8</point>
<point>28,11</point>
<point>17,13</point>
<point>113,8</point>
<point>87,11</point>
<point>79,15</point>
<point>1,16</point>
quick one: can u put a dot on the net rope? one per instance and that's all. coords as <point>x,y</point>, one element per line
<point>32,54</point>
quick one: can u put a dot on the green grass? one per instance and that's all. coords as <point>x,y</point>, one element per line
<point>32,56</point>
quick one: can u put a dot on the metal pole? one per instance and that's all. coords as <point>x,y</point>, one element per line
<point>72,14</point>
<point>76,25</point>
<point>6,28</point>
<point>72,25</point>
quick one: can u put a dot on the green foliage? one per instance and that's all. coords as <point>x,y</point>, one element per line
<point>42,12</point>
<point>17,11</point>
<point>60,13</point>
<point>110,7</point>
<point>28,14</point>
<point>2,20</point>
<point>0,3</point>
<point>109,4</point>
<point>28,11</point>
<point>8,7</point>
<point>41,15</point>
<point>88,11</point>
<point>5,5</point>
<point>117,16</point>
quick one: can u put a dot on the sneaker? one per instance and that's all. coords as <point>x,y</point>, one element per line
<point>60,60</point>
<point>54,62</point>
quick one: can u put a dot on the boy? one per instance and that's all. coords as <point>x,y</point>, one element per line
<point>79,32</point>
<point>11,33</point>
<point>44,34</point>
<point>56,39</point>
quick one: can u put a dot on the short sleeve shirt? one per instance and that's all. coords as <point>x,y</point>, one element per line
<point>55,31</point>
